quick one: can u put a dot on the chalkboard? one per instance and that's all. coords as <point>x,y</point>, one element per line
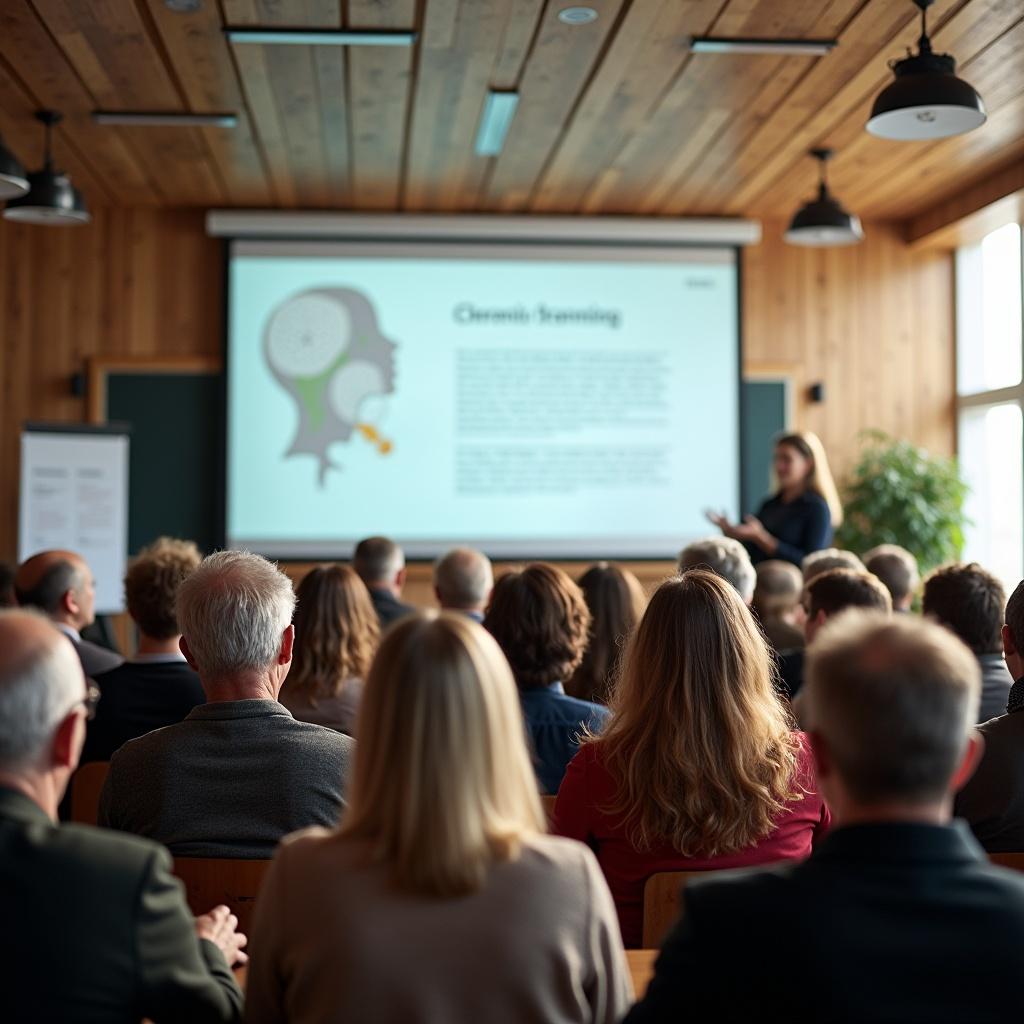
<point>176,462</point>
<point>765,416</point>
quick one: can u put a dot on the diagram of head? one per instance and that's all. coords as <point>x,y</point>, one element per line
<point>325,348</point>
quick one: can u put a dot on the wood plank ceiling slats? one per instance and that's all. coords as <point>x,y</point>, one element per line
<point>615,116</point>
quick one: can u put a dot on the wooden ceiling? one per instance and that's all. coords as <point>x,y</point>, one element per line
<point>615,117</point>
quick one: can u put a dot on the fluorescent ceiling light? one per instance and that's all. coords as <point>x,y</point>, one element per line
<point>319,37</point>
<point>495,121</point>
<point>737,44</point>
<point>170,119</point>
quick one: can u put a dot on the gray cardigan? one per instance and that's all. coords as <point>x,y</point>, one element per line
<point>229,781</point>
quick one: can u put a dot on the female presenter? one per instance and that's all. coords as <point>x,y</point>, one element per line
<point>800,516</point>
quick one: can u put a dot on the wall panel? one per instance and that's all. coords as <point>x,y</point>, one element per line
<point>873,323</point>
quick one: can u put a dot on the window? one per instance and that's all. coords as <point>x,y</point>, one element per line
<point>990,422</point>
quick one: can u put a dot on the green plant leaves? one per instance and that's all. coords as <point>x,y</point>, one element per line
<point>900,494</point>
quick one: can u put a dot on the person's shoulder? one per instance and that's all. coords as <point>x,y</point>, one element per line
<point>321,737</point>
<point>585,709</point>
<point>1003,725</point>
<point>754,889</point>
<point>104,853</point>
<point>152,744</point>
<point>813,500</point>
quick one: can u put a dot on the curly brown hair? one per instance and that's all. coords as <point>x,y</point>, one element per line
<point>152,581</point>
<point>336,632</point>
<point>541,621</point>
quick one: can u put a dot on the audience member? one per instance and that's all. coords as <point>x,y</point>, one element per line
<point>540,620</point>
<point>972,603</point>
<point>828,594</point>
<point>7,598</point>
<point>827,559</point>
<point>439,898</point>
<point>336,635</point>
<point>725,556</point>
<point>96,928</point>
<point>777,605</point>
<point>993,799</point>
<point>380,564</point>
<point>616,601</point>
<point>240,772</point>
<point>700,767</point>
<point>463,581</point>
<point>896,567</point>
<point>156,687</point>
<point>60,584</point>
<point>897,916</point>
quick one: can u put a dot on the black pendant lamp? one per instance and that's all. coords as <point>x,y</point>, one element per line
<point>13,180</point>
<point>51,198</point>
<point>823,221</point>
<point>927,100</point>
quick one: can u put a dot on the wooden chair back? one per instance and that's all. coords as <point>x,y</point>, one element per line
<point>210,881</point>
<point>1008,860</point>
<point>86,786</point>
<point>663,903</point>
<point>548,803</point>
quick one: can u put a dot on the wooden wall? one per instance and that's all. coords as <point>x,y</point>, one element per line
<point>873,323</point>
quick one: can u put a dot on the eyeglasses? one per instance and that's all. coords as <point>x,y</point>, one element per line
<point>89,701</point>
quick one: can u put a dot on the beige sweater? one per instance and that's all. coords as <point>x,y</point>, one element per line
<point>333,941</point>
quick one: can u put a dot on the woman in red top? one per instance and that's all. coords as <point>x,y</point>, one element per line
<point>700,767</point>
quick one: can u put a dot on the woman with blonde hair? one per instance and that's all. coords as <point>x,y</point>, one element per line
<point>616,601</point>
<point>336,635</point>
<point>439,897</point>
<point>800,517</point>
<point>700,767</point>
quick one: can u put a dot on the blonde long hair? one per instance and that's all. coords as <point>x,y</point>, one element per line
<point>820,480</point>
<point>701,748</point>
<point>443,786</point>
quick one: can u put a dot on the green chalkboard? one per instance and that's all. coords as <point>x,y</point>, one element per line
<point>764,418</point>
<point>175,472</point>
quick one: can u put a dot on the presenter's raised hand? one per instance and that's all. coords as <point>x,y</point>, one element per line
<point>719,519</point>
<point>752,531</point>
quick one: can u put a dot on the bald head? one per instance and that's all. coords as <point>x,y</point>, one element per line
<point>40,681</point>
<point>463,580</point>
<point>58,583</point>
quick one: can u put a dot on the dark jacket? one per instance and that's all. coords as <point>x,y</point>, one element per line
<point>230,781</point>
<point>96,929</point>
<point>138,697</point>
<point>901,923</point>
<point>389,608</point>
<point>995,686</point>
<point>554,723</point>
<point>800,526</point>
<point>95,659</point>
<point>992,802</point>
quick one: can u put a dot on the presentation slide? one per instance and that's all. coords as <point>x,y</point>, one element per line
<point>534,402</point>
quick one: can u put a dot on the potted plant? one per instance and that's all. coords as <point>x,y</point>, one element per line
<point>900,494</point>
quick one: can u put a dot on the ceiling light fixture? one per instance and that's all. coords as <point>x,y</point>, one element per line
<point>577,15</point>
<point>495,121</point>
<point>142,119</point>
<point>823,221</point>
<point>51,198</point>
<point>318,37</point>
<point>13,180</point>
<point>739,44</point>
<point>927,100</point>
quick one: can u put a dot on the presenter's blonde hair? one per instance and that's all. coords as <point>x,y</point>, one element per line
<point>820,479</point>
<point>443,785</point>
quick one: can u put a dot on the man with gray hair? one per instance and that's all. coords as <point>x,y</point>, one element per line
<point>96,928</point>
<point>463,581</point>
<point>380,563</point>
<point>828,559</point>
<point>239,772</point>
<point>724,556</point>
<point>60,585</point>
<point>895,891</point>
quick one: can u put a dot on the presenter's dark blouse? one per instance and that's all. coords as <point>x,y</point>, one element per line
<point>800,526</point>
